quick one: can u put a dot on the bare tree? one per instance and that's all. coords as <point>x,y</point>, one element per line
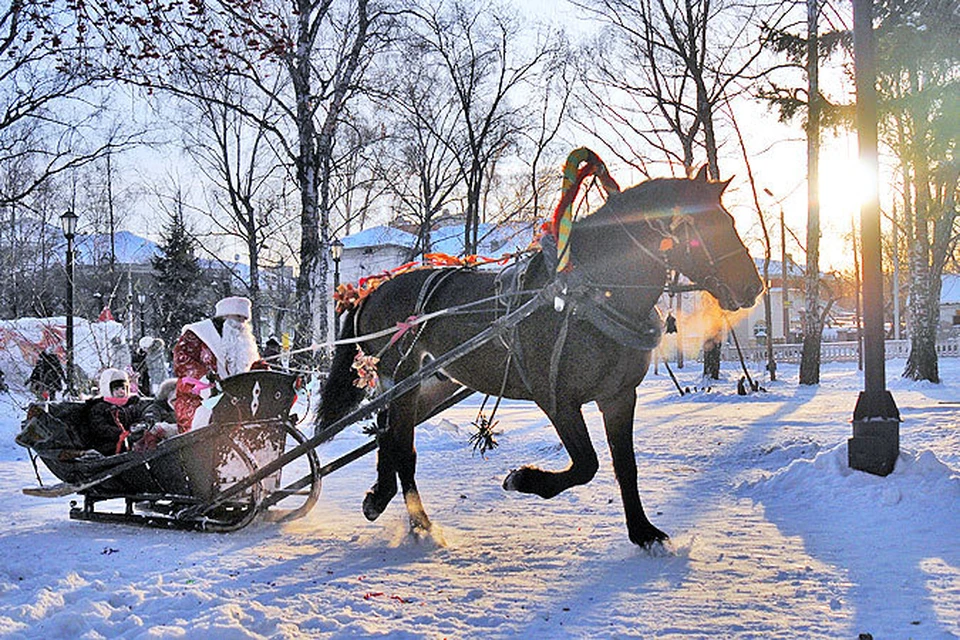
<point>420,165</point>
<point>31,251</point>
<point>662,71</point>
<point>320,48</point>
<point>234,156</point>
<point>812,325</point>
<point>919,67</point>
<point>551,107</point>
<point>479,48</point>
<point>50,102</point>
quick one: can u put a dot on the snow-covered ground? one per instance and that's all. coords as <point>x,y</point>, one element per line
<point>772,536</point>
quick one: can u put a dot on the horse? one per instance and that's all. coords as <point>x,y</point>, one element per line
<point>592,344</point>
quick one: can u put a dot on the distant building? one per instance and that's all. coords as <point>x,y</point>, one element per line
<point>950,302</point>
<point>382,248</point>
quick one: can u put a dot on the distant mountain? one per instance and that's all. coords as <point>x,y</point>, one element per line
<point>129,248</point>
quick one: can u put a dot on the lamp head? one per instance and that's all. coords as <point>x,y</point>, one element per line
<point>69,223</point>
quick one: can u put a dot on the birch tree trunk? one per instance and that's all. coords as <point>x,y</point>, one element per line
<point>812,322</point>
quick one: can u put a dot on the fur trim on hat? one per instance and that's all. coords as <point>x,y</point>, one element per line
<point>233,306</point>
<point>108,377</point>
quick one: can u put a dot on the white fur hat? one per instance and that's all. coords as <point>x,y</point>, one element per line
<point>145,342</point>
<point>108,377</point>
<point>233,306</point>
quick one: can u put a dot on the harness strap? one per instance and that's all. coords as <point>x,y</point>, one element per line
<point>427,290</point>
<point>124,432</point>
<point>510,281</point>
<point>618,327</point>
<point>555,358</point>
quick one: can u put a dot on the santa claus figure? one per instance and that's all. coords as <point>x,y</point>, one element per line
<point>208,350</point>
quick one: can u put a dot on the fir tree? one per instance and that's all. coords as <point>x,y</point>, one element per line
<point>180,297</point>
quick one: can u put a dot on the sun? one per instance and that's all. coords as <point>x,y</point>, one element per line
<point>845,185</point>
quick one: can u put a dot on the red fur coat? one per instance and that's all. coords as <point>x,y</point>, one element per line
<point>192,360</point>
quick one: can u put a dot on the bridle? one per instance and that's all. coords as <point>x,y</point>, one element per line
<point>681,229</point>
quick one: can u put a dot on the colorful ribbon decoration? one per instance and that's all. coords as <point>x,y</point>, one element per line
<point>573,177</point>
<point>198,385</point>
<point>348,296</point>
<point>402,328</point>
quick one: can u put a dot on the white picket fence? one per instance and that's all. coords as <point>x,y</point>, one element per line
<point>834,351</point>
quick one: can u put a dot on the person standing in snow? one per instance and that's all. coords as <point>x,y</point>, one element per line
<point>157,368</point>
<point>47,377</point>
<point>271,350</point>
<point>138,362</point>
<point>209,350</point>
<point>150,364</point>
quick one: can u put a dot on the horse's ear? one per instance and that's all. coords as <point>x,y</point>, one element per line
<point>701,174</point>
<point>723,184</point>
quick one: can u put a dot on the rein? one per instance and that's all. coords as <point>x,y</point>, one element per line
<point>669,237</point>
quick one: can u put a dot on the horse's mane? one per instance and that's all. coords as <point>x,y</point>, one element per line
<point>657,197</point>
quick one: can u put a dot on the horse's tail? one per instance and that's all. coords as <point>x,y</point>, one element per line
<point>340,395</point>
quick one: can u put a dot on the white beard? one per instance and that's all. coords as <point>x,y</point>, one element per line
<point>239,347</point>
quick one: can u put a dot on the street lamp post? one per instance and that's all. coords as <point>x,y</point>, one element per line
<point>69,223</point>
<point>875,444</point>
<point>142,299</point>
<point>336,252</point>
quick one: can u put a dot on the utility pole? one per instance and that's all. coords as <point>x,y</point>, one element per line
<point>875,444</point>
<point>896,276</point>
<point>784,271</point>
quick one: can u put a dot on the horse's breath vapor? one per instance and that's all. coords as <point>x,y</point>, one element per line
<point>708,322</point>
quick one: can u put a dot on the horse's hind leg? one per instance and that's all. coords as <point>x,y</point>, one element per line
<point>568,421</point>
<point>397,457</point>
<point>403,421</point>
<point>618,423</point>
<point>383,490</point>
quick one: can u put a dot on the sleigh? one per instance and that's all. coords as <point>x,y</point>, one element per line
<point>172,486</point>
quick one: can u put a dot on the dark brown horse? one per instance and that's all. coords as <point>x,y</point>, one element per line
<point>592,343</point>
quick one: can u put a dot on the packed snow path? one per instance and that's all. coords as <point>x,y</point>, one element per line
<point>772,536</point>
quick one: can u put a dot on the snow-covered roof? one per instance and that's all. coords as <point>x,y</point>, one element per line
<point>776,268</point>
<point>378,236</point>
<point>494,239</point>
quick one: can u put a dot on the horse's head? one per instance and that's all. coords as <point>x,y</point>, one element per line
<point>701,242</point>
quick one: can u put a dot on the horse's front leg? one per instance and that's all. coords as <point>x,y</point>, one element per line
<point>618,423</point>
<point>568,421</point>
